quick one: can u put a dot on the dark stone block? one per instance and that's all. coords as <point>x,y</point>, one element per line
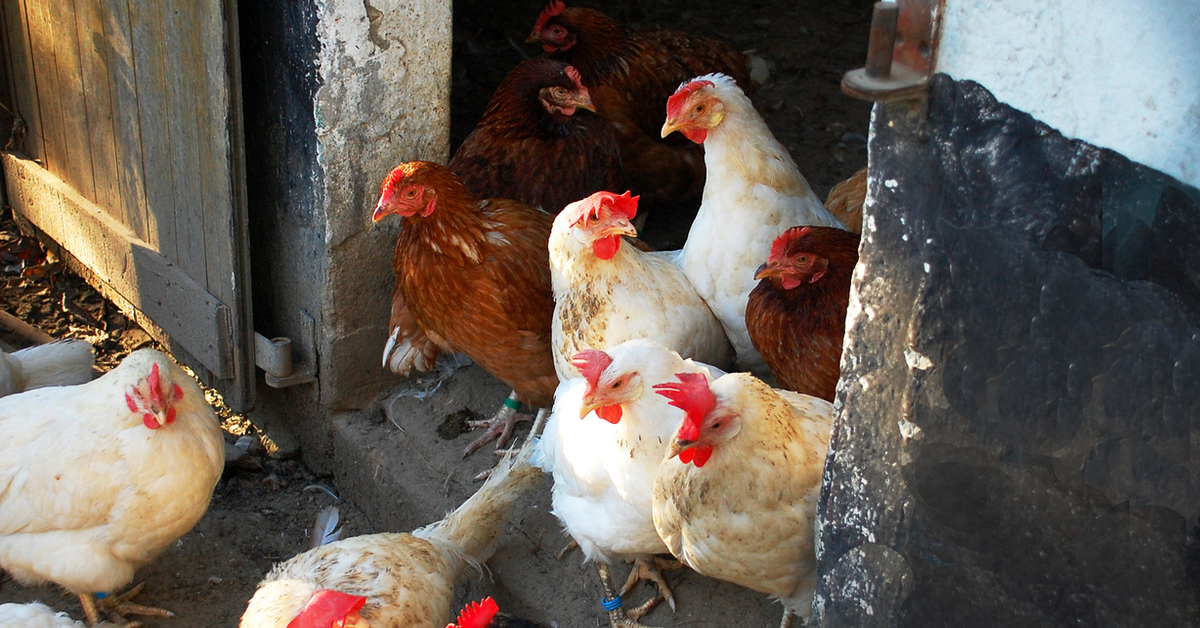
<point>1021,386</point>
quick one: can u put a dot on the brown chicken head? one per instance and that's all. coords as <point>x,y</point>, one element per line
<point>694,110</point>
<point>407,192</point>
<point>605,391</point>
<point>705,423</point>
<point>561,100</point>
<point>601,219</point>
<point>154,399</point>
<point>552,33</point>
<point>792,262</point>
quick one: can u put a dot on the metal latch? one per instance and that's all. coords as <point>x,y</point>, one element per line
<point>900,52</point>
<point>274,356</point>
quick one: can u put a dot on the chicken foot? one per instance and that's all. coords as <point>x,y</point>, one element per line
<point>790,619</point>
<point>617,618</point>
<point>117,606</point>
<point>648,568</point>
<point>500,427</point>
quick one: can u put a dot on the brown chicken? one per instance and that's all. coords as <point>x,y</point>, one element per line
<point>736,494</point>
<point>393,580</point>
<point>845,200</point>
<point>796,315</point>
<point>539,141</point>
<point>474,277</point>
<point>631,75</point>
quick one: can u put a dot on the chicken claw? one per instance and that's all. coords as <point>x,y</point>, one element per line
<point>617,618</point>
<point>648,568</point>
<point>500,427</point>
<point>117,606</point>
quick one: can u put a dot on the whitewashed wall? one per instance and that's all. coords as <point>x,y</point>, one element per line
<point>1122,74</point>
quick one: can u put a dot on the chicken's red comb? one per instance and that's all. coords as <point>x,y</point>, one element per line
<point>477,614</point>
<point>691,395</point>
<point>326,607</point>
<point>573,74</point>
<point>588,209</point>
<point>591,363</point>
<point>779,248</point>
<point>675,102</point>
<point>556,7</point>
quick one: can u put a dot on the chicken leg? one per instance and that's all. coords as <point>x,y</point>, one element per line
<point>117,606</point>
<point>500,427</point>
<point>612,602</point>
<point>649,568</point>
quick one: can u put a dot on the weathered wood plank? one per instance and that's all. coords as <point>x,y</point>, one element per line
<point>45,76</point>
<point>151,283</point>
<point>208,43</point>
<point>77,148</point>
<point>186,84</point>
<point>18,51</point>
<point>94,63</point>
<point>146,19</point>
<point>127,131</point>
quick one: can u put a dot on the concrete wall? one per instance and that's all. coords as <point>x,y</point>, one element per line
<point>1118,74</point>
<point>384,99</point>
<point>336,94</point>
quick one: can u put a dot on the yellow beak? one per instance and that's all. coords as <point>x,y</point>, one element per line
<point>670,126</point>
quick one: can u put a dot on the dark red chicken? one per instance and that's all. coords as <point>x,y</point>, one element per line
<point>474,277</point>
<point>797,314</point>
<point>539,141</point>
<point>631,75</point>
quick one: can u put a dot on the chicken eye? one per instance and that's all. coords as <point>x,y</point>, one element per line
<point>699,108</point>
<point>717,425</point>
<point>557,31</point>
<point>804,259</point>
<point>410,193</point>
<point>617,384</point>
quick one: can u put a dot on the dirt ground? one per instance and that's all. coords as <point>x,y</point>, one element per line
<point>262,508</point>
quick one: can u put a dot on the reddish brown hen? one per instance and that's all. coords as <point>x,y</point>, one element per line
<point>796,315</point>
<point>539,141</point>
<point>631,75</point>
<point>474,277</point>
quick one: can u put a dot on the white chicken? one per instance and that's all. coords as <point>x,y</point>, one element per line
<point>736,495</point>
<point>36,615</point>
<point>100,478</point>
<point>753,192</point>
<point>61,363</point>
<point>603,445</point>
<point>607,291</point>
<point>393,580</point>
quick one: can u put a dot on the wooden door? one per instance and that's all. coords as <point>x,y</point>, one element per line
<point>132,162</point>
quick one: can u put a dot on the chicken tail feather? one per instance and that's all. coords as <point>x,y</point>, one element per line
<point>469,532</point>
<point>62,363</point>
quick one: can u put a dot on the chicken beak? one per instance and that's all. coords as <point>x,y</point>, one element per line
<point>587,407</point>
<point>380,211</point>
<point>766,270</point>
<point>677,446</point>
<point>670,126</point>
<point>624,228</point>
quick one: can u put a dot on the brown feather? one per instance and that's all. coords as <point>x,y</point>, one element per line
<point>521,151</point>
<point>477,277</point>
<point>799,332</point>
<point>845,200</point>
<point>641,70</point>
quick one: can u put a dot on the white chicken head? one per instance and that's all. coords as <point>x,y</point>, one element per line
<point>705,424</point>
<point>293,604</point>
<point>154,397</point>
<point>600,220</point>
<point>605,391</point>
<point>695,108</point>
